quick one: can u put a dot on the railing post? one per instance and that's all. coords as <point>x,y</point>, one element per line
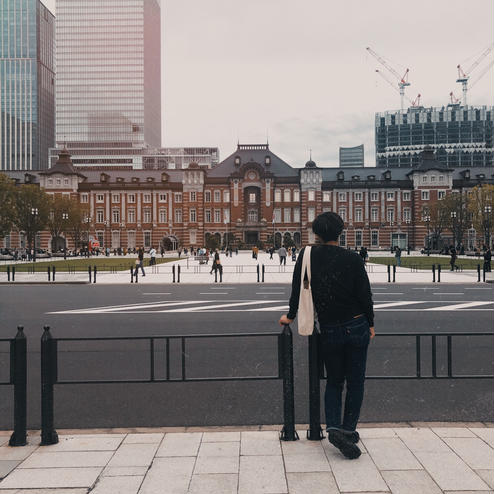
<point>136,274</point>
<point>221,273</point>
<point>394,273</point>
<point>49,273</point>
<point>131,274</point>
<point>263,270</point>
<point>315,432</point>
<point>13,273</point>
<point>173,272</point>
<point>216,275</point>
<point>389,273</point>
<point>95,270</point>
<point>439,273</point>
<point>478,273</point>
<point>433,273</point>
<point>53,271</point>
<point>18,377</point>
<point>288,432</point>
<point>89,272</point>
<point>259,278</point>
<point>178,273</point>
<point>483,273</point>
<point>48,377</point>
<point>8,273</point>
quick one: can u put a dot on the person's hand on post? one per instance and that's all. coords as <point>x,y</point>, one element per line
<point>284,320</point>
<point>372,332</point>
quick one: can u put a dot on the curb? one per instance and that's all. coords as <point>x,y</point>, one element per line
<point>44,282</point>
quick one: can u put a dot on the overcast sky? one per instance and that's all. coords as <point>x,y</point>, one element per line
<point>299,72</point>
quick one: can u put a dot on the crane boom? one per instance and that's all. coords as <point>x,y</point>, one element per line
<point>482,74</point>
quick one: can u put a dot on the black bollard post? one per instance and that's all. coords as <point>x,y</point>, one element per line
<point>439,273</point>
<point>221,273</point>
<point>18,377</point>
<point>478,272</point>
<point>53,271</point>
<point>48,379</point>
<point>259,278</point>
<point>315,432</point>
<point>483,273</point>
<point>433,273</point>
<point>95,270</point>
<point>394,273</point>
<point>89,272</point>
<point>136,274</point>
<point>178,273</point>
<point>173,272</point>
<point>263,270</point>
<point>389,273</point>
<point>285,354</point>
<point>131,274</point>
<point>49,273</point>
<point>216,275</point>
<point>13,273</point>
<point>8,273</point>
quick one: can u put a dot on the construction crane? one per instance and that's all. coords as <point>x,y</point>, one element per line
<point>454,99</point>
<point>402,81</point>
<point>415,103</point>
<point>463,76</point>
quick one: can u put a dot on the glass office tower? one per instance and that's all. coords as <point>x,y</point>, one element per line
<point>108,90</point>
<point>27,91</point>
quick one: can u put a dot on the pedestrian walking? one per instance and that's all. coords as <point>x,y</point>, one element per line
<point>271,252</point>
<point>140,258</point>
<point>282,253</point>
<point>343,303</point>
<point>452,261</point>
<point>398,256</point>
<point>152,253</point>
<point>216,261</point>
<point>363,254</point>
<point>487,260</point>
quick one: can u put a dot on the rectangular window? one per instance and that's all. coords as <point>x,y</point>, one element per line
<point>178,216</point>
<point>277,215</point>
<point>287,215</point>
<point>252,198</point>
<point>406,214</point>
<point>147,215</point>
<point>163,215</point>
<point>326,196</point>
<point>358,214</point>
<point>177,197</point>
<point>163,197</point>
<point>100,198</point>
<point>433,178</point>
<point>147,239</point>
<point>296,196</point>
<point>441,179</point>
<point>226,196</point>
<point>207,196</point>
<point>358,238</point>
<point>131,239</point>
<point>358,196</point>
<point>390,196</point>
<point>374,196</point>
<point>100,216</point>
<point>217,196</point>
<point>116,215</point>
<point>374,214</point>
<point>424,179</point>
<point>311,214</point>
<point>425,195</point>
<point>342,213</point>
<point>226,215</point>
<point>207,216</point>
<point>374,238</point>
<point>390,215</point>
<point>217,215</point>
<point>441,194</point>
<point>192,215</point>
<point>277,195</point>
<point>406,196</point>
<point>193,236</point>
<point>131,198</point>
<point>311,196</point>
<point>296,215</point>
<point>287,196</point>
<point>342,196</point>
<point>252,216</point>
<point>84,198</point>
<point>131,215</point>
<point>147,198</point>
<point>192,196</point>
<point>115,198</point>
<point>343,239</point>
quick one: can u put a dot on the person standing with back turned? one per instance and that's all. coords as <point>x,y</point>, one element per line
<point>343,304</point>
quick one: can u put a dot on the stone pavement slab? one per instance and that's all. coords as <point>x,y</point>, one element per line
<point>118,485</point>
<point>487,476</point>
<point>260,443</point>
<point>313,483</point>
<point>473,451</point>
<point>487,434</point>
<point>411,482</point>
<point>391,454</point>
<point>262,475</point>
<point>180,444</point>
<point>7,466</point>
<point>42,459</point>
<point>168,476</point>
<point>134,455</point>
<point>214,484</point>
<point>49,478</point>
<point>143,438</point>
<point>102,442</point>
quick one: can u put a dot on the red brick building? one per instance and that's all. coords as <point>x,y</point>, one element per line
<point>252,195</point>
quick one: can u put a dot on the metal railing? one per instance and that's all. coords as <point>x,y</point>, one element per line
<point>49,373</point>
<point>18,378</point>
<point>316,369</point>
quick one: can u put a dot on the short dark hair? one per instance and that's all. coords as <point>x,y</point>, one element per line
<point>328,226</point>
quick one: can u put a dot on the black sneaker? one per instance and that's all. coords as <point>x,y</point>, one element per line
<point>341,441</point>
<point>353,436</point>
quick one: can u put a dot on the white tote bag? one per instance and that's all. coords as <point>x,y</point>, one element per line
<point>305,303</point>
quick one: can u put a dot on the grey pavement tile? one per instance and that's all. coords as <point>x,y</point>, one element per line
<point>100,442</point>
<point>422,440</point>
<point>311,483</point>
<point>301,447</point>
<point>219,449</point>
<point>488,476</point>
<point>50,478</point>
<point>8,453</point>
<point>216,464</point>
<point>391,454</point>
<point>124,471</point>
<point>118,485</point>
<point>49,491</point>
<point>6,466</point>
<point>216,437</point>
<point>486,433</point>
<point>133,455</point>
<point>261,474</point>
<point>355,475</point>
<point>214,484</point>
<point>154,438</point>
<point>168,476</point>
<point>450,472</point>
<point>310,462</point>
<point>453,432</point>
<point>376,433</point>
<point>411,482</point>
<point>67,459</point>
<point>473,451</point>
<point>468,492</point>
<point>260,443</point>
<point>180,444</point>
<point>4,440</point>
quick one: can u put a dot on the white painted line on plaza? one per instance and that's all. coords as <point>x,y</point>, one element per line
<point>424,288</point>
<point>478,288</point>
<point>397,304</point>
<point>213,293</point>
<point>223,288</point>
<point>390,293</point>
<point>270,293</point>
<point>268,309</point>
<point>158,293</point>
<point>449,293</point>
<point>461,306</point>
<point>221,306</point>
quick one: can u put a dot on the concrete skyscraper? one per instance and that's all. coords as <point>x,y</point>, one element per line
<point>27,91</point>
<point>108,92</point>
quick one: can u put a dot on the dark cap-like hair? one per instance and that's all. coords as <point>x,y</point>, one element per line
<point>328,226</point>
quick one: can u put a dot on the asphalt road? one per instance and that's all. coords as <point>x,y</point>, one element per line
<point>78,311</point>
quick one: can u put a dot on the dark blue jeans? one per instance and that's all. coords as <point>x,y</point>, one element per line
<point>344,352</point>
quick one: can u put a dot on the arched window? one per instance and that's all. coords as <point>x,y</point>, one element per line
<point>252,216</point>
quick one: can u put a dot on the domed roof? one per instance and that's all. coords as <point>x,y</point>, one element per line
<point>310,164</point>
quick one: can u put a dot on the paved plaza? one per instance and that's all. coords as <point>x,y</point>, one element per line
<point>397,459</point>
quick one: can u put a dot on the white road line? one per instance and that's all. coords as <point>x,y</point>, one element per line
<point>424,288</point>
<point>478,288</point>
<point>158,293</point>
<point>270,293</point>
<point>213,293</point>
<point>397,304</point>
<point>223,288</point>
<point>221,306</point>
<point>389,293</point>
<point>448,293</point>
<point>461,306</point>
<point>268,309</point>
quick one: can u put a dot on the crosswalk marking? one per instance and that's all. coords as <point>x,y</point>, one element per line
<point>466,305</point>
<point>397,304</point>
<point>221,306</point>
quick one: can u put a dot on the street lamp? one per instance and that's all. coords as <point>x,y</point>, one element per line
<point>225,221</point>
<point>427,219</point>
<point>34,212</point>
<point>408,221</point>
<point>453,219</point>
<point>65,217</point>
<point>274,245</point>
<point>88,226</point>
<point>487,211</point>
